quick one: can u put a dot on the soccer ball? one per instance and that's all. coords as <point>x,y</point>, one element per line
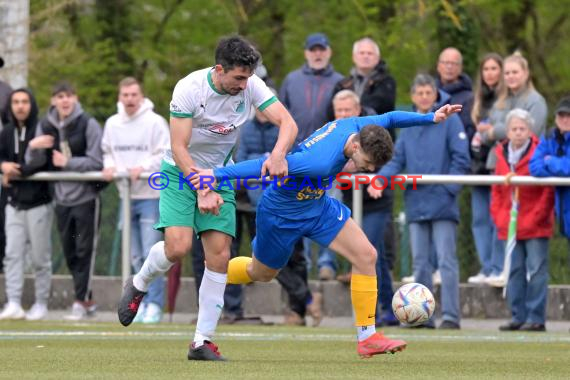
<point>413,304</point>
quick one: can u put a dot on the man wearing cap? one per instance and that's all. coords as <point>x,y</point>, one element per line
<point>72,138</point>
<point>552,159</point>
<point>307,91</point>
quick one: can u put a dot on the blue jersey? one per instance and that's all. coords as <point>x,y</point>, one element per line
<point>315,162</point>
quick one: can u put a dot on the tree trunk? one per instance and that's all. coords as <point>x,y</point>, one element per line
<point>14,31</point>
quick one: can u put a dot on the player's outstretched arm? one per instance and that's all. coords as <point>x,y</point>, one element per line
<point>445,111</point>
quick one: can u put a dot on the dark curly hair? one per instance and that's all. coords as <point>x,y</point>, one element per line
<point>236,51</point>
<point>377,143</point>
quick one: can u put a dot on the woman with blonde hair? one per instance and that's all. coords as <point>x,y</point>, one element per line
<point>487,87</point>
<point>518,92</point>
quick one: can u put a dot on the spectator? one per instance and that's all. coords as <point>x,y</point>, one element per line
<point>5,91</point>
<point>376,213</point>
<point>29,213</point>
<point>134,140</point>
<point>73,139</point>
<point>518,92</point>
<point>452,80</point>
<point>432,210</point>
<point>307,93</point>
<point>257,139</point>
<point>552,159</point>
<point>491,255</point>
<point>369,79</point>
<point>527,287</point>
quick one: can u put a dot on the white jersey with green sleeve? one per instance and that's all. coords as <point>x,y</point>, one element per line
<point>216,117</point>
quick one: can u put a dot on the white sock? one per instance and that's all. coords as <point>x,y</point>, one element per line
<point>365,332</point>
<point>210,305</point>
<point>155,264</point>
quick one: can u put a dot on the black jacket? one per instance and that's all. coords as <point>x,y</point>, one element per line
<point>23,195</point>
<point>379,92</point>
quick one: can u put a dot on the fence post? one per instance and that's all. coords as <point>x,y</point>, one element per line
<point>404,245</point>
<point>357,205</point>
<point>126,237</point>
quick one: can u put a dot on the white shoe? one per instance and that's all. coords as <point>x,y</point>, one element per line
<point>12,311</point>
<point>408,279</point>
<point>497,281</point>
<point>436,278</point>
<point>478,279</point>
<point>80,311</point>
<point>153,313</point>
<point>37,312</point>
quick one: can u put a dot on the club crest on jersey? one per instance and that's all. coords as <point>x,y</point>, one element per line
<point>240,107</point>
<point>221,129</point>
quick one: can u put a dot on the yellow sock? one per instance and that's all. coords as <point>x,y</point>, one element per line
<point>364,292</point>
<point>237,270</point>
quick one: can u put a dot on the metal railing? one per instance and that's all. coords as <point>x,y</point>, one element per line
<point>125,192</point>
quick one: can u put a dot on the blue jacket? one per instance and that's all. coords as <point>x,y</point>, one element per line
<point>256,140</point>
<point>438,149</point>
<point>557,146</point>
<point>307,94</point>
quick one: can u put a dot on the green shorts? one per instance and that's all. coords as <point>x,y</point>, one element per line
<point>179,206</point>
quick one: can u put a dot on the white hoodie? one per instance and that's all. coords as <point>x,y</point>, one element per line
<point>134,141</point>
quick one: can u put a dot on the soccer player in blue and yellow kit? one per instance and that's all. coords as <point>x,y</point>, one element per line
<point>298,207</point>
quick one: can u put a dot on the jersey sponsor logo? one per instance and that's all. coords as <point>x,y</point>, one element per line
<point>340,217</point>
<point>310,193</point>
<point>221,129</point>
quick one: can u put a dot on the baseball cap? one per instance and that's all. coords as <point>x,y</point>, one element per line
<point>563,105</point>
<point>316,39</point>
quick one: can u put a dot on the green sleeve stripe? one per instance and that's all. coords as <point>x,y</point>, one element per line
<point>267,103</point>
<point>181,114</point>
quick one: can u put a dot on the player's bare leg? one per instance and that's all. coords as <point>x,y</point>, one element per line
<point>352,243</point>
<point>211,295</point>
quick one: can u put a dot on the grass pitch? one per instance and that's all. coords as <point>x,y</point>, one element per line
<point>53,350</point>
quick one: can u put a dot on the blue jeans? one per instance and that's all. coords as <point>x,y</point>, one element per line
<point>527,289</point>
<point>374,224</point>
<point>441,233</point>
<point>489,248</point>
<point>144,214</point>
<point>482,226</point>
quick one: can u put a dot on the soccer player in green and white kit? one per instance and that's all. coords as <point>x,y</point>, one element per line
<point>207,108</point>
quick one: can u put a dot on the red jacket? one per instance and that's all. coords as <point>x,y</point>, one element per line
<point>536,203</point>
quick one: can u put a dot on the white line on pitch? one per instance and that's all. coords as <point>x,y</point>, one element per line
<point>280,336</point>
